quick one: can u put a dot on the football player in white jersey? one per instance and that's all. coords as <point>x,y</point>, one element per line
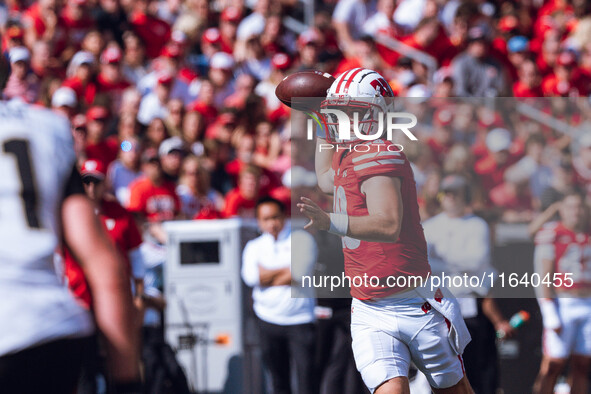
<point>43,330</point>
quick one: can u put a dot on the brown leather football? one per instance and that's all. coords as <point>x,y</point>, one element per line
<point>304,90</point>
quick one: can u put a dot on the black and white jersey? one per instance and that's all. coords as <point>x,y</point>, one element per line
<point>36,165</point>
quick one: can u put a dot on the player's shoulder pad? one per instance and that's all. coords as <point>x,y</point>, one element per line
<point>376,153</point>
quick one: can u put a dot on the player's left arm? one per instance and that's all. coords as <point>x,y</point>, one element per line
<point>382,223</point>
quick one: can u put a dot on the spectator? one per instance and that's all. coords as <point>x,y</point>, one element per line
<point>110,79</point>
<point>492,167</point>
<point>348,19</point>
<point>285,324</point>
<point>171,152</point>
<point>193,131</point>
<point>64,101</point>
<point>155,133</point>
<point>124,170</point>
<point>254,23</point>
<point>529,81</point>
<point>241,200</point>
<point>98,146</point>
<point>444,234</point>
<point>476,73</point>
<point>229,21</point>
<point>80,77</point>
<point>174,119</point>
<point>77,21</point>
<point>198,199</point>
<point>564,81</point>
<point>153,105</point>
<point>153,31</point>
<point>134,58</point>
<point>582,163</point>
<point>22,83</point>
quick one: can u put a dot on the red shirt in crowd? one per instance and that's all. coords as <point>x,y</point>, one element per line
<point>522,90</point>
<point>238,205</point>
<point>155,202</point>
<point>84,93</point>
<point>105,151</point>
<point>154,32</point>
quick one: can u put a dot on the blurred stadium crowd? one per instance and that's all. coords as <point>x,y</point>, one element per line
<point>191,85</point>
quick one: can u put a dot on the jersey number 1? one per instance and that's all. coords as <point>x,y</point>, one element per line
<point>20,149</point>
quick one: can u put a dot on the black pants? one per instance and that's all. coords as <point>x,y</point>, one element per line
<point>162,370</point>
<point>49,368</point>
<point>283,345</point>
<point>334,356</point>
<point>480,356</point>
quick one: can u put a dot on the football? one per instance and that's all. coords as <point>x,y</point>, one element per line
<point>304,90</point>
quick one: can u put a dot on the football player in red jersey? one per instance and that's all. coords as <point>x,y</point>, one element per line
<point>563,258</point>
<point>376,213</point>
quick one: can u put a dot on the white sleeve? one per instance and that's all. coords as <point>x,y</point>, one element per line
<point>343,12</point>
<point>303,258</point>
<point>250,267</point>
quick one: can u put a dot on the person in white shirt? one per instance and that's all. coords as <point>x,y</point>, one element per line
<point>286,324</point>
<point>458,243</point>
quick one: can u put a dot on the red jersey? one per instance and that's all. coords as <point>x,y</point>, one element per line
<point>157,203</point>
<point>84,93</point>
<point>238,205</point>
<point>522,90</point>
<point>154,32</point>
<point>407,256</point>
<point>105,151</point>
<point>570,252</point>
<point>124,233</point>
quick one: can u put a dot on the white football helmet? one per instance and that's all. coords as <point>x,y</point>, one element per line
<point>360,93</point>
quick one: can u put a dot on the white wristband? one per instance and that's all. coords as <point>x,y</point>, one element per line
<point>339,224</point>
<point>549,311</point>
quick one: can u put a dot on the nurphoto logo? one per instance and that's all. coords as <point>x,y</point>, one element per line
<point>402,121</point>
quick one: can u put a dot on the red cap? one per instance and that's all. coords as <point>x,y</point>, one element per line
<point>231,14</point>
<point>171,51</point>
<point>93,168</point>
<point>566,58</point>
<point>281,61</point>
<point>211,36</point>
<point>165,77</point>
<point>97,113</point>
<point>15,32</point>
<point>508,23</point>
<point>443,117</point>
<point>111,55</point>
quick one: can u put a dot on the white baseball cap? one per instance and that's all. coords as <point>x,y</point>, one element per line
<point>64,97</point>
<point>18,54</point>
<point>222,60</point>
<point>498,139</point>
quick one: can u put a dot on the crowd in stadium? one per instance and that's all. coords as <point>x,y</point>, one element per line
<point>173,109</point>
<point>192,85</point>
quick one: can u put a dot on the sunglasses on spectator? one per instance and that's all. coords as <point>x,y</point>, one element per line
<point>91,180</point>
